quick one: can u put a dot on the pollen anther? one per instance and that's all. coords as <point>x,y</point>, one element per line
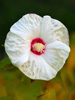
<point>39,47</point>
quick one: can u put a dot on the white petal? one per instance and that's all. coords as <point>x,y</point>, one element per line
<point>17,49</point>
<point>54,34</point>
<point>38,68</point>
<point>28,27</point>
<point>46,22</point>
<point>58,45</point>
<point>17,44</point>
<point>56,54</point>
<point>53,30</point>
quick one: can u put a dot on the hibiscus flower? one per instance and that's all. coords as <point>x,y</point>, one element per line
<point>38,46</point>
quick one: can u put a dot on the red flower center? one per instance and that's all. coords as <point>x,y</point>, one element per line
<point>38,46</point>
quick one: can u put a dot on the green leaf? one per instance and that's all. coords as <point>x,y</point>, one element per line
<point>49,95</point>
<point>6,98</point>
<point>5,65</point>
<point>52,94</point>
<point>35,90</point>
<point>4,62</point>
<point>21,91</point>
<point>29,91</point>
<point>59,79</point>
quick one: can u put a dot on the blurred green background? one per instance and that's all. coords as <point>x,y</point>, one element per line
<point>16,86</point>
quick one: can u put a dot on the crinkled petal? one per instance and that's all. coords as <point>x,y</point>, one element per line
<point>53,30</point>
<point>56,54</point>
<point>28,27</point>
<point>38,68</point>
<point>17,44</point>
<point>17,49</point>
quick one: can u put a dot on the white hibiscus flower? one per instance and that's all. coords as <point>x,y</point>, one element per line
<point>38,46</point>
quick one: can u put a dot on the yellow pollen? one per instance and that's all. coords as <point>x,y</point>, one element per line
<point>39,47</point>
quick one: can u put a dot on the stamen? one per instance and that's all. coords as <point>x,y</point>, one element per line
<point>39,47</point>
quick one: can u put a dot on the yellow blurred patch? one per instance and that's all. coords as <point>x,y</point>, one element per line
<point>71,60</point>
